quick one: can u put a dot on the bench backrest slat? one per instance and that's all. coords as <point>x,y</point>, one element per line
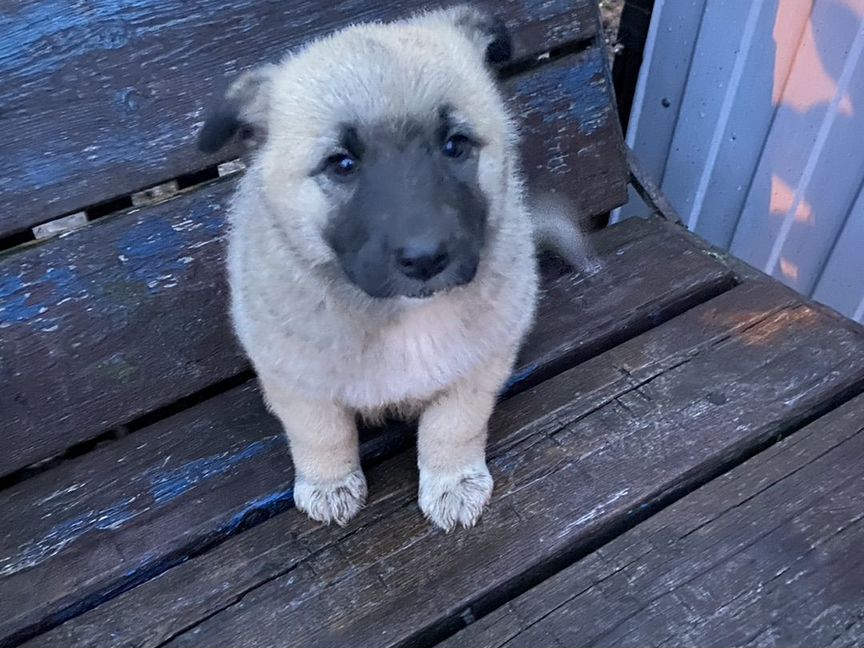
<point>102,99</point>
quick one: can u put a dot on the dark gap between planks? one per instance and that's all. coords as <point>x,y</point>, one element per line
<point>109,436</point>
<point>194,179</point>
<point>116,206</point>
<point>377,445</point>
<point>435,633</point>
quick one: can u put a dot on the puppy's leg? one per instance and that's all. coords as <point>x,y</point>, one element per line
<point>455,484</point>
<point>329,485</point>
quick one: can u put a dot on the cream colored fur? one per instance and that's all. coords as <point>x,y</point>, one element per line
<point>324,350</point>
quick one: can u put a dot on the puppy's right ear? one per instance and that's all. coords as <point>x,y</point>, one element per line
<point>244,107</point>
<point>487,31</point>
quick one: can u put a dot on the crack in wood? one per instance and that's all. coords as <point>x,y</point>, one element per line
<point>770,484</point>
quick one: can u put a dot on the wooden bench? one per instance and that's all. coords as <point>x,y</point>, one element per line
<point>678,459</point>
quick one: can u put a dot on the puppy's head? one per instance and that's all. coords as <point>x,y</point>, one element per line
<point>383,149</point>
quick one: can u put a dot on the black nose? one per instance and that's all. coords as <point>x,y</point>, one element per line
<point>422,260</point>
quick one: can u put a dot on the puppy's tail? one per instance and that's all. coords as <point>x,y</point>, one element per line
<point>554,221</point>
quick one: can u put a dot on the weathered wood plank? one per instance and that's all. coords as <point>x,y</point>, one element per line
<point>571,457</point>
<point>571,139</point>
<point>198,475</point>
<point>137,306</point>
<point>103,99</point>
<point>768,553</point>
<point>111,322</point>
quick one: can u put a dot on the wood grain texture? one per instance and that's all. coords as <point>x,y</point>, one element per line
<point>200,474</point>
<point>768,554</point>
<point>571,457</point>
<point>104,98</point>
<point>129,315</point>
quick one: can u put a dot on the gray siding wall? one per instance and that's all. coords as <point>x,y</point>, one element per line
<point>751,115</point>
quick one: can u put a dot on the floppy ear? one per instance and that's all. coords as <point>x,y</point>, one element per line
<point>244,105</point>
<point>486,31</point>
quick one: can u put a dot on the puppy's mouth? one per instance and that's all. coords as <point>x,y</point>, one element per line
<point>390,285</point>
<point>423,293</point>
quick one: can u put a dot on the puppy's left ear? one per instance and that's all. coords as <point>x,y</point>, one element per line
<point>488,32</point>
<point>244,106</point>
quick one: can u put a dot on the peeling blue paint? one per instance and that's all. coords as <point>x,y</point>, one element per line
<point>63,280</point>
<point>166,486</point>
<point>153,248</point>
<point>18,304</point>
<point>41,37</point>
<point>115,516</point>
<point>213,222</point>
<point>59,536</point>
<point>13,302</point>
<point>520,376</point>
<point>585,91</point>
<point>41,168</point>
<point>271,503</point>
<point>46,167</point>
<point>154,253</point>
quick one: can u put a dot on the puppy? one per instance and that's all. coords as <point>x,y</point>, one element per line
<point>380,253</point>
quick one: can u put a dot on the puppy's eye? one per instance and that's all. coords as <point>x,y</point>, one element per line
<point>457,146</point>
<point>342,165</point>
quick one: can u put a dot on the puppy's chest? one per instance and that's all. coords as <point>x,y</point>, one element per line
<point>413,359</point>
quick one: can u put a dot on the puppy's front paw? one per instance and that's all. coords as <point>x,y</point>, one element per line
<point>448,499</point>
<point>331,501</point>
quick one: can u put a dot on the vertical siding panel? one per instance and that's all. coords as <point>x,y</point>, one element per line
<point>657,101</point>
<point>842,283</point>
<point>728,109</point>
<point>737,143</point>
<point>724,45</point>
<point>812,164</point>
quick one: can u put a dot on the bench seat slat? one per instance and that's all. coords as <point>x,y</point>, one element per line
<point>572,457</point>
<point>567,473</point>
<point>128,315</point>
